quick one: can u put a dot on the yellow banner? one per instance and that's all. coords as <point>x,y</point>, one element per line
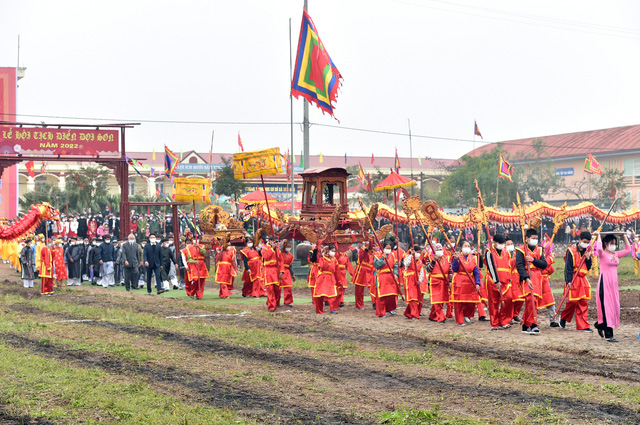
<point>191,189</point>
<point>247,165</point>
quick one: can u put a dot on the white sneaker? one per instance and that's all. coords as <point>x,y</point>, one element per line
<point>467,320</point>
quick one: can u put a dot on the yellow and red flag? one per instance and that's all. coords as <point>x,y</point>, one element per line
<point>30,169</point>
<point>591,165</point>
<point>505,170</point>
<point>361,177</point>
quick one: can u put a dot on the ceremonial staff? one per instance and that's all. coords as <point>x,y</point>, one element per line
<point>584,258</point>
<point>386,260</point>
<point>526,253</point>
<point>558,221</point>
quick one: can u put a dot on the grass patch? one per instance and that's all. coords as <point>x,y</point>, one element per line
<point>46,388</point>
<point>412,416</point>
<point>540,414</point>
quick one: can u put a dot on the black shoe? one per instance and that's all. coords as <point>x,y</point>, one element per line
<point>432,320</point>
<point>612,339</point>
<point>516,319</point>
<point>483,319</point>
<point>563,323</point>
<point>554,325</point>
<point>341,305</point>
<point>600,332</point>
<point>534,330</point>
<point>588,330</point>
<point>526,329</point>
<point>288,305</point>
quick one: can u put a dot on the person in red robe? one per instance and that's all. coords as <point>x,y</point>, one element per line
<point>530,262</point>
<point>286,273</point>
<point>92,228</point>
<point>313,274</point>
<point>344,265</point>
<point>46,269</point>
<point>386,263</point>
<point>363,277</point>
<point>196,270</point>
<point>466,285</point>
<point>226,270</point>
<point>59,267</point>
<point>438,266</point>
<point>413,278</point>
<point>252,275</point>
<point>548,301</point>
<point>271,274</point>
<point>517,299</point>
<point>498,284</point>
<point>577,284</point>
<point>325,282</point>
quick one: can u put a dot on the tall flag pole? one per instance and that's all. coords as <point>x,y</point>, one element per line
<point>505,171</point>
<point>170,162</point>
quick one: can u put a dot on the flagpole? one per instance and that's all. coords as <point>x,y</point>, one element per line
<point>291,108</point>
<point>305,119</point>
<point>497,187</point>
<point>411,154</point>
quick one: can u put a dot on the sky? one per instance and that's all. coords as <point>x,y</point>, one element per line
<point>188,69</point>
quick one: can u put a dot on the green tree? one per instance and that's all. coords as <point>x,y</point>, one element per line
<point>604,186</point>
<point>226,184</point>
<point>86,184</point>
<point>373,196</point>
<point>535,176</point>
<point>46,193</point>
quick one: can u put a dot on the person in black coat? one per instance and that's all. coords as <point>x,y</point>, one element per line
<point>72,258</point>
<point>107,257</point>
<point>82,226</point>
<point>93,261</point>
<point>131,262</point>
<point>114,225</point>
<point>153,263</point>
<point>167,259</point>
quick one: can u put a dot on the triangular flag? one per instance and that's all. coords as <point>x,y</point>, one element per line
<point>345,157</point>
<point>153,154</point>
<point>419,160</point>
<point>240,143</point>
<point>321,158</point>
<point>372,159</point>
<point>301,160</point>
<point>180,154</point>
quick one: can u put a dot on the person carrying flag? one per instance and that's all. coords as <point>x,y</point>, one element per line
<point>498,284</point>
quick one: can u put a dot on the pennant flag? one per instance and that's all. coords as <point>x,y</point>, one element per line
<point>170,162</point>
<point>361,177</point>
<point>419,160</point>
<point>476,130</point>
<point>316,77</point>
<point>396,164</point>
<point>505,169</point>
<point>43,167</point>
<point>288,165</point>
<point>153,154</point>
<point>240,143</point>
<point>591,165</point>
<point>372,159</point>
<point>30,169</point>
<point>321,158</point>
<point>180,154</point>
<point>153,171</point>
<point>345,157</point>
<point>614,190</point>
<point>301,160</point>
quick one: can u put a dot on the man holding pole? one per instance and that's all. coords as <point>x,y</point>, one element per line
<point>577,285</point>
<point>530,263</point>
<point>498,284</point>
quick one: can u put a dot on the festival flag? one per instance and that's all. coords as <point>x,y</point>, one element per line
<point>180,154</point>
<point>170,162</point>
<point>321,158</point>
<point>240,143</point>
<point>345,157</point>
<point>361,177</point>
<point>30,169</point>
<point>591,165</point>
<point>505,170</point>
<point>396,164</point>
<point>157,192</point>
<point>419,160</point>
<point>476,130</point>
<point>153,154</point>
<point>372,159</point>
<point>316,77</point>
<point>613,188</point>
<point>369,185</point>
<point>43,167</point>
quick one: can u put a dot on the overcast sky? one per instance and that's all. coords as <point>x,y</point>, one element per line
<point>520,68</point>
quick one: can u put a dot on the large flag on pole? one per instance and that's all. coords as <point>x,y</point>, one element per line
<point>396,164</point>
<point>476,130</point>
<point>505,170</point>
<point>30,170</point>
<point>170,162</point>
<point>361,176</point>
<point>316,77</point>
<point>591,165</point>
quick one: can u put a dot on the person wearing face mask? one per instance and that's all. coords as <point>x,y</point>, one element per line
<point>517,299</point>
<point>363,276</point>
<point>226,269</point>
<point>439,267</point>
<point>27,263</point>
<point>46,269</point>
<point>413,278</point>
<point>252,275</point>
<point>271,274</point>
<point>153,262</point>
<point>498,284</point>
<point>344,265</point>
<point>93,262</point>
<point>576,283</point>
<point>548,301</point>
<point>59,267</point>
<point>286,273</point>
<point>196,271</point>
<point>607,292</point>
<point>531,255</point>
<point>635,254</point>
<point>466,292</point>
<point>313,271</point>
<point>168,264</point>
<point>386,263</point>
<point>74,265</point>
<point>107,258</point>
<point>325,289</point>
<point>131,259</point>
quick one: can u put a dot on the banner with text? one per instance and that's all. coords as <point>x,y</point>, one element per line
<point>58,141</point>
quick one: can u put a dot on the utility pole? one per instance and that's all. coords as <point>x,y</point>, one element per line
<point>305,120</point>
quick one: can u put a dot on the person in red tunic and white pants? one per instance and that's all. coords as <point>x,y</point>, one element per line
<point>325,282</point>
<point>413,278</point>
<point>286,273</point>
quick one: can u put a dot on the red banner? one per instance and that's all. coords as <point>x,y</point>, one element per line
<point>54,141</point>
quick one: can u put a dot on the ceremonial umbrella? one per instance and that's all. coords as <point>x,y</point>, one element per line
<point>394,181</point>
<point>255,197</point>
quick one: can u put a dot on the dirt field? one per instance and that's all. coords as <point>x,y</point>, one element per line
<point>94,355</point>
